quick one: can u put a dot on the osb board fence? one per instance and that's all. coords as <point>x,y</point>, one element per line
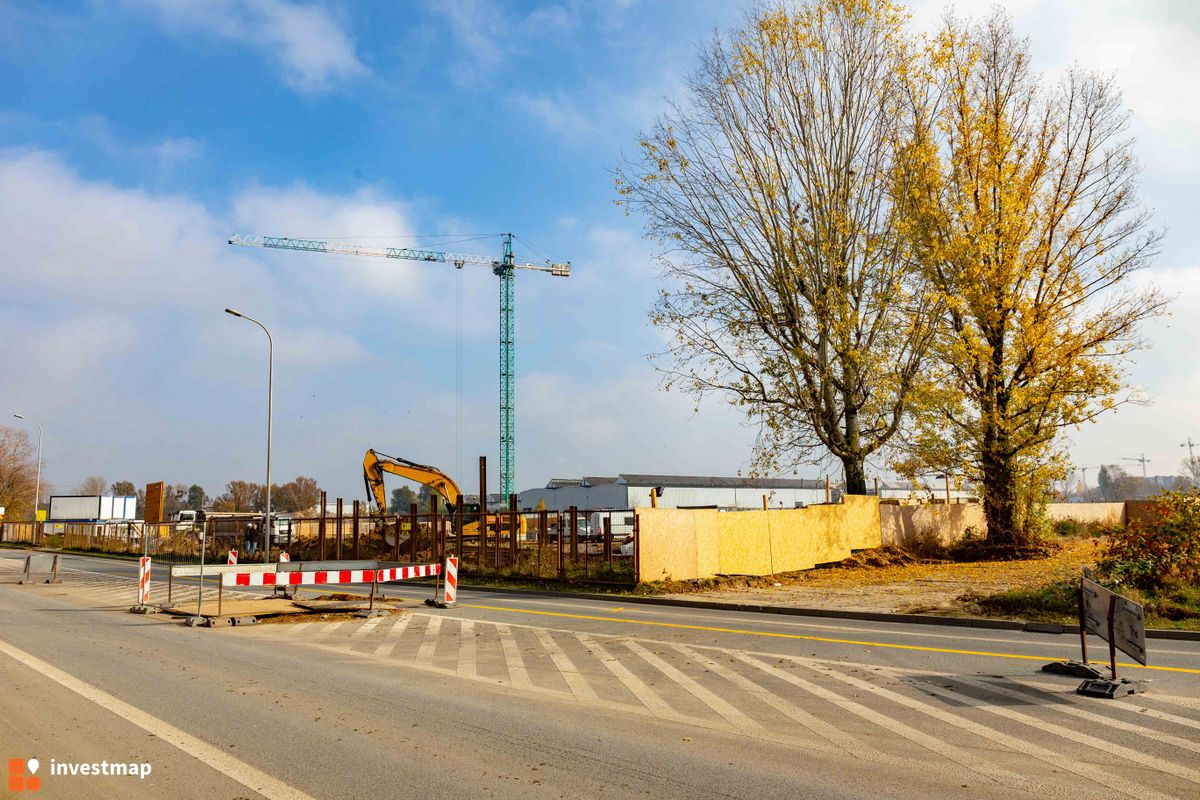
<point>1104,513</point>
<point>908,525</point>
<point>683,544</point>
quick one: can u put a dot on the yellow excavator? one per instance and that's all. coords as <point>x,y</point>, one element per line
<point>375,464</point>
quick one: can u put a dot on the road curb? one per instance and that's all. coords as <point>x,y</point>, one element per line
<point>829,613</point>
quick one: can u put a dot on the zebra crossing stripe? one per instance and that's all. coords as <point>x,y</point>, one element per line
<point>574,679</point>
<point>1070,709</point>
<point>813,723</point>
<point>945,749</point>
<point>722,707</point>
<point>428,643</point>
<point>517,674</point>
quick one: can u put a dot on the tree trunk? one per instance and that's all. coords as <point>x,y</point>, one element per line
<point>856,475</point>
<point>1000,502</point>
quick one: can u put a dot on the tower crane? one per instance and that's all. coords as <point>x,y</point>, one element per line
<point>504,268</point>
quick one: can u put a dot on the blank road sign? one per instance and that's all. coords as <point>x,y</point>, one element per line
<point>1128,619</point>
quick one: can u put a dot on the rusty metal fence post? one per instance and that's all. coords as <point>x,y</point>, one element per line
<point>434,524</point>
<point>337,552</point>
<point>412,532</point>
<point>574,518</point>
<point>396,544</point>
<point>355,543</point>
<point>542,520</point>
<point>479,545</point>
<point>514,530</point>
<point>321,531</point>
<point>608,541</point>
<point>562,533</point>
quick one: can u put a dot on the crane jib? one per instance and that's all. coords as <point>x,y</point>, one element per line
<point>402,253</point>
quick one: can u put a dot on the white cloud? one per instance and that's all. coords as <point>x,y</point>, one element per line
<point>557,113</point>
<point>621,422</point>
<point>485,35</point>
<point>313,50</point>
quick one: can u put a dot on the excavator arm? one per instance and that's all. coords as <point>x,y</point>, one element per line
<point>375,464</point>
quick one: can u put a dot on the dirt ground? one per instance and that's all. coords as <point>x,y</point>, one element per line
<point>919,588</point>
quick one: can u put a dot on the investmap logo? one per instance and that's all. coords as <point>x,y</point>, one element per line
<point>22,775</point>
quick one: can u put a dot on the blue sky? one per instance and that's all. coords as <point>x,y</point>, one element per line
<point>135,136</point>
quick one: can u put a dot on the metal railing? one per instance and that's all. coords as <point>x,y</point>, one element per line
<point>577,545</point>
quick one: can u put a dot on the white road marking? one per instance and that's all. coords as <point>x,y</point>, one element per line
<point>466,649</point>
<point>429,642</point>
<point>575,680</point>
<point>391,639</point>
<point>813,723</point>
<point>368,625</point>
<point>1070,709</point>
<point>517,674</point>
<point>253,779</point>
<point>636,686</point>
<point>1071,735</point>
<point>948,751</point>
<point>1020,745</point>
<point>731,714</point>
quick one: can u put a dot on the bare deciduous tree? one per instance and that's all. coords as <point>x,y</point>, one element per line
<point>18,473</point>
<point>93,484</point>
<point>789,284</point>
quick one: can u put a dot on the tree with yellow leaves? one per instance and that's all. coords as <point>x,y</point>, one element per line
<point>777,195</point>
<point>1030,231</point>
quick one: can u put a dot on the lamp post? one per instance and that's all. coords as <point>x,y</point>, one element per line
<point>37,491</point>
<point>270,401</point>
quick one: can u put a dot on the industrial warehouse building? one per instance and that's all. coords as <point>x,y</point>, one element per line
<point>678,491</point>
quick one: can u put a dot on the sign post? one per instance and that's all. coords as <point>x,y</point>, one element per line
<point>198,619</point>
<point>1118,621</point>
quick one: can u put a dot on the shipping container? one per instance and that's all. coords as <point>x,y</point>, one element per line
<point>91,508</point>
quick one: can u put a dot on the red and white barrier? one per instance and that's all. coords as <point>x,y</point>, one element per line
<point>144,580</point>
<point>232,557</point>
<point>449,587</point>
<point>329,577</point>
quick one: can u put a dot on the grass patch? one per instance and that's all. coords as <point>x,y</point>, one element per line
<point>1074,529</point>
<point>1175,606</point>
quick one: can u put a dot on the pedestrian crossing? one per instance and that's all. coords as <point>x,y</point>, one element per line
<point>1025,732</point>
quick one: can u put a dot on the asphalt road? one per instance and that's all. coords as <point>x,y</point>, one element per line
<point>516,696</point>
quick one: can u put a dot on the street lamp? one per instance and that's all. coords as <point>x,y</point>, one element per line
<point>37,492</point>
<point>270,401</point>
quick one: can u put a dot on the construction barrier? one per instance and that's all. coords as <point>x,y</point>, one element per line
<point>329,577</point>
<point>38,565</point>
<point>447,591</point>
<point>231,558</point>
<point>144,581</point>
<point>208,570</point>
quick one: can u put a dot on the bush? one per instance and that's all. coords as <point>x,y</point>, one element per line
<point>1073,528</point>
<point>1163,549</point>
<point>974,546</point>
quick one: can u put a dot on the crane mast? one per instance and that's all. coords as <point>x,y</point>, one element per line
<point>504,268</point>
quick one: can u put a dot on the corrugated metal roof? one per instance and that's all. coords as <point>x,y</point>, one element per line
<point>707,482</point>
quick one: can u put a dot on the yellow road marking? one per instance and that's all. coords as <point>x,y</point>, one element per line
<point>807,638</point>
